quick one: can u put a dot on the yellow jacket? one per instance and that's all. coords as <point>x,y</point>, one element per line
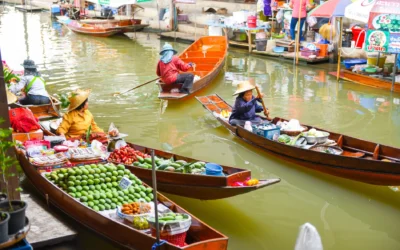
<point>75,124</point>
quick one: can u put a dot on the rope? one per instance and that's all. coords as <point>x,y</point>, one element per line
<point>157,245</point>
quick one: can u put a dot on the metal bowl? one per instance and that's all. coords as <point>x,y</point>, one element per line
<point>314,139</point>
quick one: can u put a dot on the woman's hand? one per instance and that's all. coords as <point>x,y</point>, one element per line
<point>266,113</point>
<point>260,96</point>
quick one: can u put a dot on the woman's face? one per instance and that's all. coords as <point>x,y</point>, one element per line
<point>248,95</point>
<point>86,106</point>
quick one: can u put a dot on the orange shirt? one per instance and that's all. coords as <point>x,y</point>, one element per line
<point>75,124</point>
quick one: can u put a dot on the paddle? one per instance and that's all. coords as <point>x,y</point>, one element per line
<point>119,93</point>
<point>262,102</point>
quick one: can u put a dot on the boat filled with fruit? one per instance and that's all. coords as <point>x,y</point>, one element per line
<point>186,176</point>
<point>318,149</point>
<point>114,202</point>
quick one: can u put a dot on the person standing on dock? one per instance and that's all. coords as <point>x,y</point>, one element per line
<point>169,67</point>
<point>295,5</point>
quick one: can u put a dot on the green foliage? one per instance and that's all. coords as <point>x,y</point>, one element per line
<point>64,99</point>
<point>6,161</point>
<point>8,75</point>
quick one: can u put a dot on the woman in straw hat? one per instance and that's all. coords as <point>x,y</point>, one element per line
<point>246,106</point>
<point>76,122</point>
<point>169,67</point>
<point>32,85</point>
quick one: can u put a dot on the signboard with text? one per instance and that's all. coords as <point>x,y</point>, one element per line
<point>377,41</point>
<point>394,43</point>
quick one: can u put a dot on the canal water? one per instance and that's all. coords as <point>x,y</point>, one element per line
<point>347,214</point>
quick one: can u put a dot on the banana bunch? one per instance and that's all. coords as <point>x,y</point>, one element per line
<point>326,30</point>
<point>225,114</point>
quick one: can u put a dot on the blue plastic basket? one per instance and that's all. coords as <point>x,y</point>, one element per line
<point>267,133</point>
<point>348,63</point>
<point>214,169</point>
<point>22,245</point>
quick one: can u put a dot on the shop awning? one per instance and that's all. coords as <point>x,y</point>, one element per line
<point>332,8</point>
<point>359,10</point>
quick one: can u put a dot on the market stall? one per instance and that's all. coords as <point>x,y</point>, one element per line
<point>243,21</point>
<point>381,38</point>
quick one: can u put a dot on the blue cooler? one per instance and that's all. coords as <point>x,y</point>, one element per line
<point>55,10</point>
<point>267,133</point>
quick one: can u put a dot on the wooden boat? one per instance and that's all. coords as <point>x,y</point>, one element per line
<point>202,187</point>
<point>199,237</point>
<point>208,53</point>
<point>128,25</point>
<point>42,112</point>
<point>367,80</point>
<point>361,160</point>
<point>88,29</point>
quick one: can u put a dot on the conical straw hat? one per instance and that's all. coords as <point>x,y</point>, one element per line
<point>243,87</point>
<point>77,98</point>
<point>11,98</point>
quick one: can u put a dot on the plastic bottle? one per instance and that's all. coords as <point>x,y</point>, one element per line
<point>247,126</point>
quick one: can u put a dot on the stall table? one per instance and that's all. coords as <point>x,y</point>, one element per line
<point>240,28</point>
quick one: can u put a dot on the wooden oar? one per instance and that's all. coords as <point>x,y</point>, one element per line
<point>262,101</point>
<point>119,93</point>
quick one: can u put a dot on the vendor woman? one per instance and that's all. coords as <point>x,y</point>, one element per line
<point>246,105</point>
<point>77,120</point>
<point>169,68</point>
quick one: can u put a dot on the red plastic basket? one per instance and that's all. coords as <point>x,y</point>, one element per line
<point>177,239</point>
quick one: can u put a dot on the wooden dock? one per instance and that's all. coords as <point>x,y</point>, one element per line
<point>291,55</point>
<point>28,8</point>
<point>47,227</point>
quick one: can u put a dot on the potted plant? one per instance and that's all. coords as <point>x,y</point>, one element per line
<point>4,218</point>
<point>16,209</point>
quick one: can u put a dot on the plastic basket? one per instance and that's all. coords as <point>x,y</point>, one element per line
<point>307,53</point>
<point>177,239</point>
<point>268,133</point>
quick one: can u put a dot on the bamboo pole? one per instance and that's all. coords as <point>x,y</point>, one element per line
<point>339,47</point>
<point>298,33</point>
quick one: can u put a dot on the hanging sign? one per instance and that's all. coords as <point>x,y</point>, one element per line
<point>104,2</point>
<point>394,43</point>
<point>143,1</point>
<point>377,41</point>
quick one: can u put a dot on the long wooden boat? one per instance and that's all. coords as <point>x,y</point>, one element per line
<point>208,53</point>
<point>361,160</point>
<point>42,112</point>
<point>204,187</point>
<point>127,25</point>
<point>367,80</point>
<point>88,29</point>
<point>199,237</point>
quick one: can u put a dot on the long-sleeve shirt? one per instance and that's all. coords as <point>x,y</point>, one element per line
<point>75,124</point>
<point>169,71</point>
<point>245,110</point>
<point>296,7</point>
<point>38,86</point>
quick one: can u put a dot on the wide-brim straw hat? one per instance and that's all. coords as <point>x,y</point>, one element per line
<point>11,98</point>
<point>77,98</point>
<point>168,47</point>
<point>243,87</point>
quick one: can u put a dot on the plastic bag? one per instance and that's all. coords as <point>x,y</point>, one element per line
<point>311,20</point>
<point>260,5</point>
<point>23,120</point>
<point>279,16</point>
<point>308,238</point>
<point>113,131</point>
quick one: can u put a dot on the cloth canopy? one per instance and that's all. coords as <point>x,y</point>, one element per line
<point>332,8</point>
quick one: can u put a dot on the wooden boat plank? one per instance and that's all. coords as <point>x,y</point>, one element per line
<point>367,80</point>
<point>386,173</point>
<point>115,230</point>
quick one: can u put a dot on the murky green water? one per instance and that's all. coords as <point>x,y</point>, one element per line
<point>348,215</point>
